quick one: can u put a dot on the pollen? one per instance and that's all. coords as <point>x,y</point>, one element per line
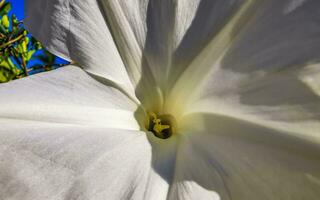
<point>162,126</point>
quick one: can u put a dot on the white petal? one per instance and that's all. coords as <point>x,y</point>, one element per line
<point>149,30</point>
<point>204,62</point>
<point>58,161</point>
<point>241,161</point>
<point>64,135</point>
<point>156,39</point>
<point>145,32</point>
<point>78,31</point>
<point>270,75</point>
<point>128,24</point>
<point>69,96</point>
<point>270,45</point>
<point>194,177</point>
<point>62,161</point>
<point>288,101</point>
<point>201,24</point>
<point>142,31</point>
<point>189,190</point>
<point>292,5</point>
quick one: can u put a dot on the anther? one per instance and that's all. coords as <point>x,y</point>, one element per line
<point>162,126</point>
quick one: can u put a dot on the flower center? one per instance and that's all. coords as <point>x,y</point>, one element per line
<point>162,126</point>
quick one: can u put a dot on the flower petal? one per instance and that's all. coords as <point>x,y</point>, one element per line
<point>64,135</point>
<point>156,38</point>
<point>288,101</point>
<point>206,29</point>
<point>68,96</point>
<point>121,30</point>
<point>58,161</point>
<point>270,76</point>
<point>143,32</point>
<point>78,31</point>
<point>240,160</point>
<point>196,72</point>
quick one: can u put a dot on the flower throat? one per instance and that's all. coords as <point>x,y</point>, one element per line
<point>162,126</point>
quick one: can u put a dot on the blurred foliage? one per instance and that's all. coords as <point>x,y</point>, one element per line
<point>20,54</point>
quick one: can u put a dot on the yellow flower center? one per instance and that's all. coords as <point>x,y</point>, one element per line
<point>162,126</point>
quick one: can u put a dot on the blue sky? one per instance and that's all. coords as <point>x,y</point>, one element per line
<point>18,8</point>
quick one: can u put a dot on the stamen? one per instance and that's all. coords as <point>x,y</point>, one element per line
<point>158,127</point>
<point>161,126</point>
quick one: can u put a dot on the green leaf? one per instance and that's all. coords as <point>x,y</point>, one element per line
<point>7,74</point>
<point>5,9</point>
<point>2,28</point>
<point>30,54</point>
<point>14,19</point>
<point>19,48</point>
<point>5,21</point>
<point>8,70</point>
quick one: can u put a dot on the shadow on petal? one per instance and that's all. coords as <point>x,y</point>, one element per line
<point>271,54</point>
<point>240,160</point>
<point>281,97</point>
<point>211,16</point>
<point>277,40</point>
<point>261,73</point>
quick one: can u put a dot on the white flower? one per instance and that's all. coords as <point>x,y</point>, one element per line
<point>240,78</point>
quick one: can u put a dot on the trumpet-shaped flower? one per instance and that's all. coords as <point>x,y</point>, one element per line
<point>170,99</point>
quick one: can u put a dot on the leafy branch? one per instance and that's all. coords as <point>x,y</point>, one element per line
<point>18,50</point>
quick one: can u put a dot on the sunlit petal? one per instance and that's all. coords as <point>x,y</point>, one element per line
<point>78,32</point>
<point>44,160</point>
<point>67,95</point>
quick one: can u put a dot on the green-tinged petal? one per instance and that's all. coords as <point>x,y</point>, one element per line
<point>143,33</point>
<point>153,41</point>
<point>206,61</point>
